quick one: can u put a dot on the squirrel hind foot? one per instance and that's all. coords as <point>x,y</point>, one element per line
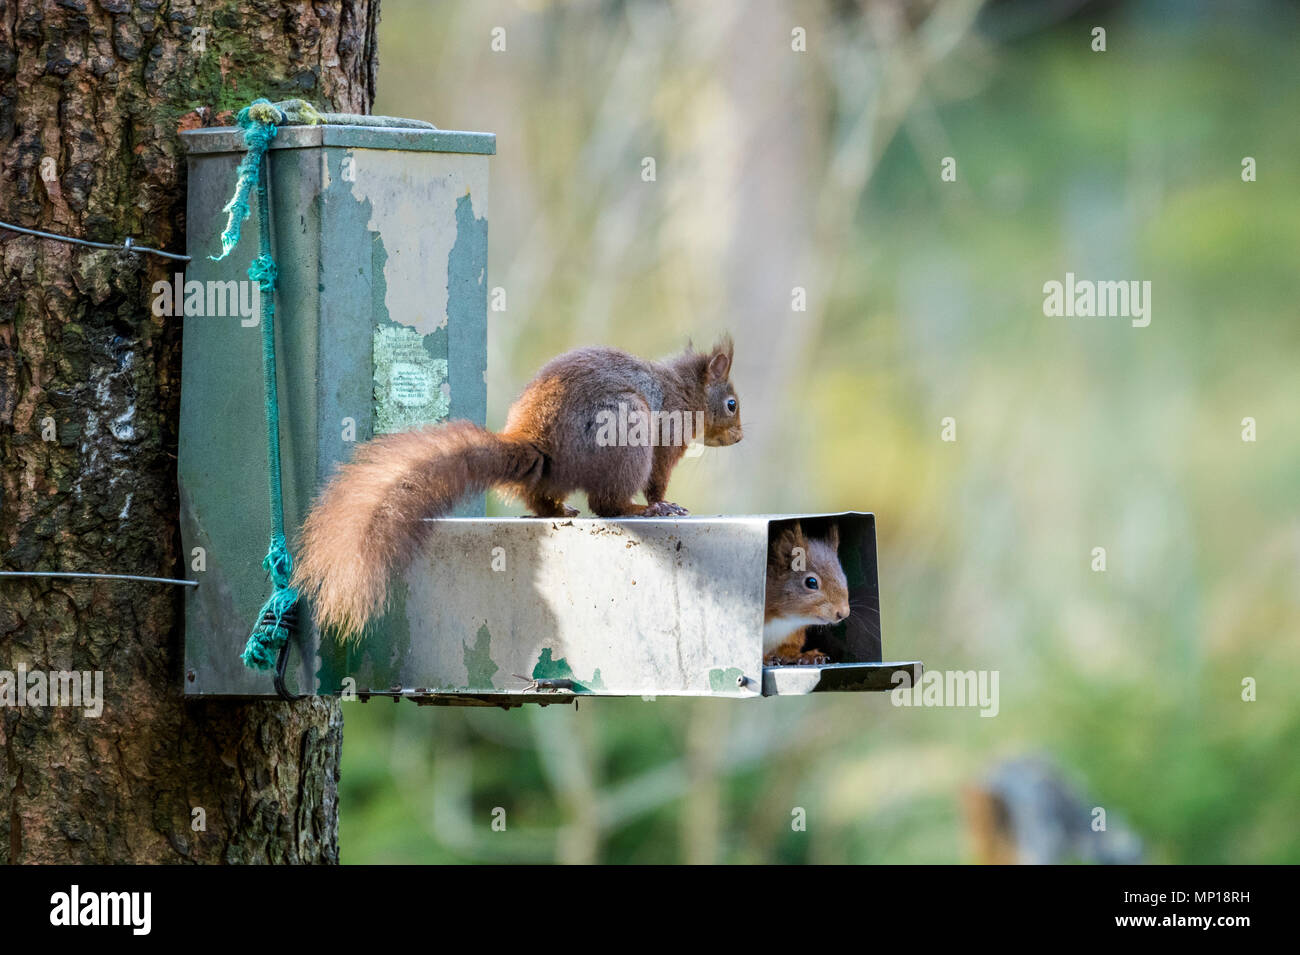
<point>664,509</point>
<point>542,505</point>
<point>562,510</point>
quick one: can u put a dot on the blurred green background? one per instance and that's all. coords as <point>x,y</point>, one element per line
<point>778,169</point>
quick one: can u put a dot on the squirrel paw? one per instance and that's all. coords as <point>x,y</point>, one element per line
<point>664,509</point>
<point>812,658</point>
<point>807,658</point>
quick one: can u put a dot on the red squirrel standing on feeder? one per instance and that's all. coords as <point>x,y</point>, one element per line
<point>368,521</point>
<point>806,587</point>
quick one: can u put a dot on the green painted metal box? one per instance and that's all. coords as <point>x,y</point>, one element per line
<point>381,241</point>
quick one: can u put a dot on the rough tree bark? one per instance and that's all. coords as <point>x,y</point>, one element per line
<point>101,88</point>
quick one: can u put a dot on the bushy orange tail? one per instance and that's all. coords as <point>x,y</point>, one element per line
<point>368,521</point>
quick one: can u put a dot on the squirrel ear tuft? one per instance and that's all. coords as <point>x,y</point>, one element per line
<point>787,540</point>
<point>719,366</point>
<point>790,538</point>
<point>833,537</point>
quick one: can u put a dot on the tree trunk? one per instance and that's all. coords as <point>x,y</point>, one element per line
<point>92,96</point>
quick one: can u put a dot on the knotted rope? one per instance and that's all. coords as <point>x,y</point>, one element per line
<point>260,120</point>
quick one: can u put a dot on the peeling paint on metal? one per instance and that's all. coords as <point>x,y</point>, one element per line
<point>467,312</point>
<point>419,209</point>
<point>724,680</point>
<point>478,661</point>
<point>550,669</point>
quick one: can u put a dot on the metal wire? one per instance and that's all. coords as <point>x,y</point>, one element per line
<point>151,580</point>
<point>127,246</point>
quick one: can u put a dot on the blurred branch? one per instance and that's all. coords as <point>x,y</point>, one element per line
<point>438,793</point>
<point>564,746</point>
<point>755,741</point>
<point>902,58</point>
<point>701,817</point>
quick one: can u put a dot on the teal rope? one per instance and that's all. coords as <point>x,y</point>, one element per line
<point>271,630</point>
<point>259,123</point>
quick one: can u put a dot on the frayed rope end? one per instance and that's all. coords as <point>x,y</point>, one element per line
<point>259,121</point>
<point>279,616</point>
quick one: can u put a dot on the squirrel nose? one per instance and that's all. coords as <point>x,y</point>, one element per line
<point>841,614</point>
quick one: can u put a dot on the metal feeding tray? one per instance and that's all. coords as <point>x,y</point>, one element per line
<point>511,610</point>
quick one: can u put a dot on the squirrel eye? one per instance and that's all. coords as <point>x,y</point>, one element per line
<point>810,583</point>
<point>731,405</point>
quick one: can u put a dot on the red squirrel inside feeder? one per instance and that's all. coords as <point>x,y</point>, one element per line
<point>806,587</point>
